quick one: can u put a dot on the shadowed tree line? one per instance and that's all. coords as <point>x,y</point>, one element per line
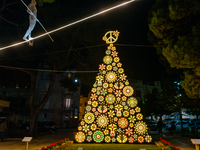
<point>175,32</point>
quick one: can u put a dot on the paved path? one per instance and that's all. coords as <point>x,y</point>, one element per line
<point>43,140</point>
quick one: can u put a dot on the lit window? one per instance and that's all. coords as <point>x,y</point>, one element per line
<point>68,102</point>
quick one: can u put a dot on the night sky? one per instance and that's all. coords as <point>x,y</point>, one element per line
<point>140,62</point>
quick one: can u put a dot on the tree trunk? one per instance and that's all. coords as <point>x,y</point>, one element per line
<point>35,108</point>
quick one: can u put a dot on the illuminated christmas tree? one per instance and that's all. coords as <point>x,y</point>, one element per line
<point>112,114</point>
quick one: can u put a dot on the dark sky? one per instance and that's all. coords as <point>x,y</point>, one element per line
<point>131,20</point>
<point>140,62</point>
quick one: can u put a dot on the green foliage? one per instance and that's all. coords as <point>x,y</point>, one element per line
<point>175,30</point>
<point>41,2</point>
<point>191,85</point>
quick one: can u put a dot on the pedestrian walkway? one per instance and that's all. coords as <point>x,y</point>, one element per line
<point>184,143</point>
<point>42,140</point>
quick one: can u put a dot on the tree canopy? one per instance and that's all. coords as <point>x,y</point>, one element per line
<point>175,31</point>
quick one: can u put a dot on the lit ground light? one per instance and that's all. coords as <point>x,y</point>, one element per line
<point>112,147</point>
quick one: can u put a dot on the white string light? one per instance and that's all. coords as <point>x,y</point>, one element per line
<point>69,24</point>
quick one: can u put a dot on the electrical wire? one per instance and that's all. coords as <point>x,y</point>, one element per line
<point>42,70</point>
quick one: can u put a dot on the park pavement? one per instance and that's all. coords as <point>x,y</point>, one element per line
<point>44,139</point>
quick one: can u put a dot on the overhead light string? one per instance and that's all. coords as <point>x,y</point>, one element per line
<point>78,21</point>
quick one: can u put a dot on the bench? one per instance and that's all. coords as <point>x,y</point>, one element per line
<point>196,142</point>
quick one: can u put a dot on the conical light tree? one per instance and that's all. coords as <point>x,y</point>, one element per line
<point>112,114</point>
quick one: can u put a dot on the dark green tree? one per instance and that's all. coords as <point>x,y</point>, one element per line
<point>174,31</point>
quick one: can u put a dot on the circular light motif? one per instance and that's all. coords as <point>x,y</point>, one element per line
<point>139,116</point>
<point>123,103</point>
<point>102,67</point>
<point>110,98</point>
<point>93,109</point>
<point>89,118</point>
<point>90,133</point>
<point>101,98</point>
<point>113,48</point>
<point>107,59</point>
<point>105,85</point>
<point>110,90</point>
<point>135,137</point>
<point>93,96</point>
<point>115,68</point>
<point>113,64</point>
<point>132,111</point>
<point>131,125</point>
<point>109,47</point>
<point>89,138</point>
<point>148,138</point>
<point>88,108</point>
<point>94,90</point>
<point>118,85</point>
<point>110,85</point>
<point>140,128</point>
<point>99,88</point>
<point>137,109</point>
<point>111,113</point>
<point>132,119</point>
<point>128,91</point>
<point>82,122</point>
<point>118,93</point>
<point>127,82</point>
<point>107,139</point>
<point>79,128</point>
<point>130,139</point>
<point>140,139</point>
<point>86,128</point>
<point>122,122</point>
<point>126,107</point>
<point>113,140</point>
<point>121,70</point>
<point>123,77</point>
<point>111,106</point>
<point>80,137</point>
<point>89,102</point>
<point>114,53</point>
<point>129,131</point>
<point>109,67</point>
<point>94,104</point>
<point>111,76</point>
<point>106,132</point>
<point>132,102</point>
<point>119,64</point>
<point>115,119</point>
<point>93,127</point>
<point>103,92</point>
<point>124,98</point>
<point>122,138</point>
<point>118,99</point>
<point>108,52</point>
<point>96,113</point>
<point>125,113</point>
<point>98,136</point>
<point>102,121</point>
<point>104,72</point>
<point>116,59</point>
